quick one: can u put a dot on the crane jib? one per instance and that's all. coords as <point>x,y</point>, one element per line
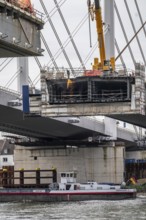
<point>97,4</point>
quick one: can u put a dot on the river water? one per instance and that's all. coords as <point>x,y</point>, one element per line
<point>99,210</point>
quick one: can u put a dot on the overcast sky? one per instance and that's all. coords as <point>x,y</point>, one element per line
<point>73,12</point>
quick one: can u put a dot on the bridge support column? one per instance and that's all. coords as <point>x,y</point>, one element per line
<point>101,163</point>
<point>22,63</point>
<point>110,25</point>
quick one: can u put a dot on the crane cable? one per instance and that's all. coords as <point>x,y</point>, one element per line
<point>57,36</point>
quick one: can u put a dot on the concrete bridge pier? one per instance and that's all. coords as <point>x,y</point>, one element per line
<point>99,163</point>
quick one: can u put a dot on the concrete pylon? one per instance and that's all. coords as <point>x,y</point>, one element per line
<point>110,26</point>
<point>22,79</point>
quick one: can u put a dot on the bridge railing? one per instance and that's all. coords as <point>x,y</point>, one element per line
<point>7,90</point>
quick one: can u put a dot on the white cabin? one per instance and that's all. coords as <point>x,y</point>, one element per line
<point>68,182</point>
<point>68,177</point>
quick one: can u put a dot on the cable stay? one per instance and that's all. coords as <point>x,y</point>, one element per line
<point>51,56</point>
<point>49,52</point>
<point>6,65</point>
<point>30,82</point>
<point>91,53</point>
<point>4,61</point>
<point>57,36</point>
<point>124,32</point>
<point>69,34</point>
<point>140,17</point>
<point>12,79</point>
<point>57,54</point>
<point>127,45</point>
<point>54,10</point>
<point>38,62</point>
<point>134,29</point>
<point>121,58</point>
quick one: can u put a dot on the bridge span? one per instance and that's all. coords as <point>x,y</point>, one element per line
<point>50,132</point>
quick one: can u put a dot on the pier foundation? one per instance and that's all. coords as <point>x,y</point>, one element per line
<point>101,164</point>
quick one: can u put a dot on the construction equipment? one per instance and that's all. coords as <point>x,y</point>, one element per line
<point>103,64</point>
<point>23,4</point>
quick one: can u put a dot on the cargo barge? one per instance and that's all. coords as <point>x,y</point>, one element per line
<point>67,190</point>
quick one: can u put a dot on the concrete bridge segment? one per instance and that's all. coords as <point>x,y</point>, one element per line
<point>19,31</point>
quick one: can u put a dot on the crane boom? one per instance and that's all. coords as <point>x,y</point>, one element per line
<point>99,27</point>
<point>103,65</point>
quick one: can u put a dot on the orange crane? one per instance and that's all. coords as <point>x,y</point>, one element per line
<point>103,64</point>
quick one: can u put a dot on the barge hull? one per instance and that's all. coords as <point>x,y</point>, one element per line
<point>46,196</point>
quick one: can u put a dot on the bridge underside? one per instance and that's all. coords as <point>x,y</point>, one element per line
<point>49,132</point>
<point>135,119</point>
<point>19,31</point>
<point>41,128</point>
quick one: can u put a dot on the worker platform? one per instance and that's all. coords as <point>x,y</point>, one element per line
<point>106,94</point>
<point>19,30</point>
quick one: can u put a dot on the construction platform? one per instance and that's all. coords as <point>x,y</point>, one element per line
<point>19,30</point>
<point>93,89</point>
<point>105,94</point>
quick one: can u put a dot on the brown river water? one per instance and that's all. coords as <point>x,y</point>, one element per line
<point>99,210</point>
